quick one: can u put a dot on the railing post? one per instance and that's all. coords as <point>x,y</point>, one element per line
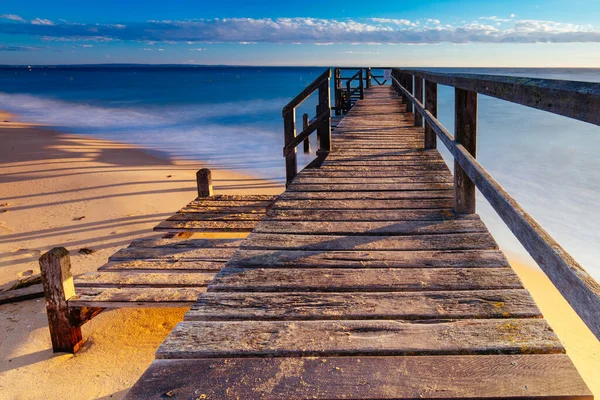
<point>204,182</point>
<point>304,126</point>
<point>369,77</point>
<point>337,81</point>
<point>289,133</point>
<point>57,280</point>
<point>324,131</point>
<point>403,84</point>
<point>431,91</point>
<point>348,95</point>
<point>465,134</point>
<point>362,84</point>
<point>409,88</point>
<point>418,96</point>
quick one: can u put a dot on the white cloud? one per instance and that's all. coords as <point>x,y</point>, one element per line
<point>313,31</point>
<point>39,21</point>
<point>12,17</point>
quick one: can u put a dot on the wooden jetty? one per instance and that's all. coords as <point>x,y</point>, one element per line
<point>371,276</point>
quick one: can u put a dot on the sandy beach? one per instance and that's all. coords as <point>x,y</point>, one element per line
<point>73,191</point>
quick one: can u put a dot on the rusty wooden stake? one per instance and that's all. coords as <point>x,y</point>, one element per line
<point>204,181</point>
<point>57,280</point>
<point>465,133</point>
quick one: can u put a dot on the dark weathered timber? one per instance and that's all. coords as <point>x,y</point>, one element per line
<point>419,96</point>
<point>465,132</point>
<point>368,259</point>
<point>204,182</point>
<point>57,280</point>
<point>369,195</point>
<point>363,215</point>
<point>190,243</point>
<point>135,297</point>
<point>362,279</point>
<point>26,293</point>
<point>453,241</point>
<point>189,278</point>
<point>172,254</point>
<point>144,266</point>
<point>471,304</point>
<point>551,376</point>
<point>299,99</point>
<point>578,100</point>
<point>307,130</point>
<point>206,226</point>
<point>361,205</point>
<point>205,339</point>
<point>431,104</point>
<point>289,135</point>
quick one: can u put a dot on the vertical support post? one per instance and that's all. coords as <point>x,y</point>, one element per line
<point>418,96</point>
<point>204,182</point>
<point>348,95</point>
<point>337,81</point>
<point>465,134</point>
<point>307,140</point>
<point>362,84</point>
<point>57,281</point>
<point>369,77</point>
<point>409,88</point>
<point>403,84</point>
<point>324,131</point>
<point>431,102</point>
<point>289,134</point>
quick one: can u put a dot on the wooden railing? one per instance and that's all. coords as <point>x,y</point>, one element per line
<point>344,91</point>
<point>369,77</point>
<point>321,124</point>
<point>576,100</point>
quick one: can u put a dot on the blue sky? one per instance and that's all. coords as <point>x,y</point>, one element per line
<point>309,32</point>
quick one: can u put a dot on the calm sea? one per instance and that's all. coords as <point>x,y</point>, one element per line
<point>230,117</point>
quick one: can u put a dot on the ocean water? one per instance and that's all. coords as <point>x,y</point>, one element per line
<point>230,117</point>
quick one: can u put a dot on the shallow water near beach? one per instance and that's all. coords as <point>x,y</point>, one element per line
<point>230,117</point>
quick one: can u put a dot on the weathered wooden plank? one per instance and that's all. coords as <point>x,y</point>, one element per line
<point>186,243</point>
<point>199,215</point>
<point>476,304</point>
<point>152,279</point>
<point>364,215</point>
<point>371,228</point>
<point>242,197</point>
<point>231,279</point>
<point>368,259</point>
<point>229,203</point>
<point>544,376</point>
<point>26,293</point>
<point>382,163</point>
<point>206,226</point>
<point>369,195</point>
<point>204,339</point>
<point>162,265</point>
<point>361,205</point>
<point>458,241</point>
<point>135,297</point>
<point>361,187</point>
<point>207,254</point>
<point>384,168</point>
<point>335,180</point>
<point>372,174</point>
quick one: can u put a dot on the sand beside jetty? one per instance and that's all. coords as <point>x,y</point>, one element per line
<point>50,180</point>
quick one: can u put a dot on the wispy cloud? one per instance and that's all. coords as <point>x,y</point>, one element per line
<point>23,48</point>
<point>12,17</point>
<point>310,30</point>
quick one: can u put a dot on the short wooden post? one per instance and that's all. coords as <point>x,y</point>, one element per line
<point>307,140</point>
<point>289,134</point>
<point>431,91</point>
<point>409,88</point>
<point>369,74</point>
<point>204,182</point>
<point>418,96</point>
<point>57,281</point>
<point>465,134</point>
<point>324,131</point>
<point>362,84</point>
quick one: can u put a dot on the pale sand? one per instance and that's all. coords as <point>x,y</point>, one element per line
<point>123,193</point>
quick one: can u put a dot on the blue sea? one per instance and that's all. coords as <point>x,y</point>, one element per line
<point>230,117</point>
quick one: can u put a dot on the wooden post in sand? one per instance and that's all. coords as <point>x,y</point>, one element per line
<point>58,285</point>
<point>204,181</point>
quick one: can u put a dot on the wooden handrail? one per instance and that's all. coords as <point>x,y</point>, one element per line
<point>310,89</point>
<point>322,124</point>
<point>569,277</point>
<point>577,100</point>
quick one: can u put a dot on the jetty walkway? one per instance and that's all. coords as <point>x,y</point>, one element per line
<point>363,282</point>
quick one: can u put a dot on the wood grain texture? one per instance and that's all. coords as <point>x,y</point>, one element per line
<point>550,376</point>
<point>149,279</point>
<point>204,339</point>
<point>473,304</point>
<point>135,297</point>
